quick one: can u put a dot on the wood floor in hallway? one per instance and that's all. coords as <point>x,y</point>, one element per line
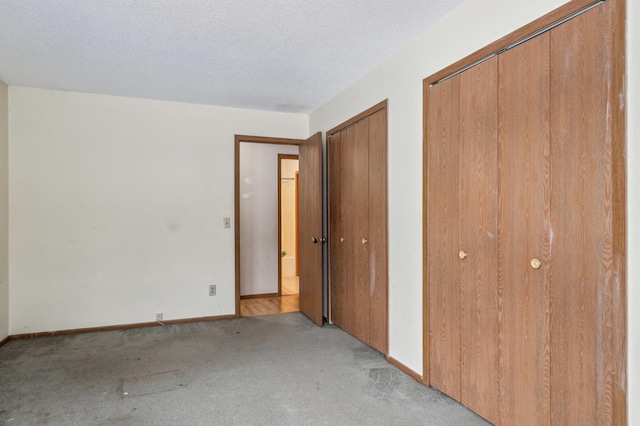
<point>269,305</point>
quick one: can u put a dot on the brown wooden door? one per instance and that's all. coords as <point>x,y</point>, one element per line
<point>310,223</point>
<point>357,185</point>
<point>337,260</point>
<point>377,235</point>
<point>478,238</point>
<point>442,236</point>
<point>525,225</point>
<point>463,238</point>
<point>583,263</point>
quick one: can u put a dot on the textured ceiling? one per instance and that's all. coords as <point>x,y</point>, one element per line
<point>279,55</point>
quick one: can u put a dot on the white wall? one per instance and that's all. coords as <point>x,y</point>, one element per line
<point>633,212</point>
<point>117,207</point>
<point>472,26</point>
<point>4,210</point>
<point>259,254</point>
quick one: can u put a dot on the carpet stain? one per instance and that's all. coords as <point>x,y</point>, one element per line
<point>383,381</point>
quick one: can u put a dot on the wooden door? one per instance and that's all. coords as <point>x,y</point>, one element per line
<point>583,265</point>
<point>357,165</point>
<point>442,237</point>
<point>524,234</point>
<point>310,207</point>
<point>478,238</point>
<point>377,234</point>
<point>337,257</point>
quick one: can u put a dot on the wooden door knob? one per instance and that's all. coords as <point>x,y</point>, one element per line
<point>462,254</point>
<point>535,263</point>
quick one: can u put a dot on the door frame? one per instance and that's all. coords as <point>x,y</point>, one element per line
<point>280,158</point>
<point>236,218</point>
<point>619,141</point>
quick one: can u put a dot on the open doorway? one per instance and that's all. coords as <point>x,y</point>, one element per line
<point>254,266</point>
<point>288,174</point>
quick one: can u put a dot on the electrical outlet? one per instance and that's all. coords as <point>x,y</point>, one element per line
<point>227,222</point>
<point>212,290</point>
<point>159,316</point>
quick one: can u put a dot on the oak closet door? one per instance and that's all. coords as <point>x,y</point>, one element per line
<point>442,237</point>
<point>336,227</point>
<point>582,262</point>
<point>358,146</point>
<point>478,238</point>
<point>377,235</point>
<point>524,233</point>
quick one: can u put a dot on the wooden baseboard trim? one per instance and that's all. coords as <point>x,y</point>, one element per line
<point>405,369</point>
<point>5,341</point>
<point>115,327</point>
<point>260,296</point>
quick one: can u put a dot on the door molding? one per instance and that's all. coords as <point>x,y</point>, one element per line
<point>236,217</point>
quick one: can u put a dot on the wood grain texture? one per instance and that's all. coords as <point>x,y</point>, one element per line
<point>310,204</point>
<point>359,181</point>
<point>478,237</point>
<point>582,260</point>
<point>540,23</point>
<point>336,258</point>
<point>357,163</point>
<point>619,220</point>
<point>269,305</point>
<point>524,233</point>
<point>442,244</point>
<point>378,225</point>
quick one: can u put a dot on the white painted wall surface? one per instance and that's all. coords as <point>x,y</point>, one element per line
<point>117,207</point>
<point>259,255</point>
<point>633,212</point>
<point>4,210</point>
<point>470,27</point>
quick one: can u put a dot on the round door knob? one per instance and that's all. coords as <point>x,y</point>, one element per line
<point>535,263</point>
<point>364,241</point>
<point>462,254</point>
<point>342,239</point>
<point>314,240</point>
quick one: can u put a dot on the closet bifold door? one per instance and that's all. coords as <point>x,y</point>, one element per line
<point>524,233</point>
<point>463,238</point>
<point>478,238</point>
<point>442,238</point>
<point>336,227</point>
<point>583,265</point>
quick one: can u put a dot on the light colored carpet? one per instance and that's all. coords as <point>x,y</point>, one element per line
<point>269,370</point>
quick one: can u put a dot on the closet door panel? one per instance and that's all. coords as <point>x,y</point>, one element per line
<point>524,233</point>
<point>478,224</point>
<point>581,211</point>
<point>443,260</point>
<point>359,179</point>
<point>378,273</point>
<point>336,229</point>
<point>348,204</point>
